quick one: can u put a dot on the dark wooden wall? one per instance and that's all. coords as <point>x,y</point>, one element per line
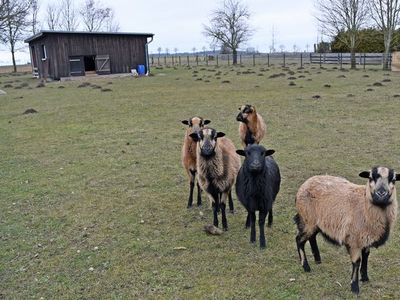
<point>126,51</point>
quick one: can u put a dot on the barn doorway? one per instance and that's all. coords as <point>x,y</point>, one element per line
<point>89,62</point>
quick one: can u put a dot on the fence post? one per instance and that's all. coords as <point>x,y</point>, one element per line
<point>187,57</point>
<point>173,61</point>
<point>284,60</point>
<point>341,60</point>
<point>301,60</point>
<point>254,60</point>
<point>179,57</point>
<point>158,60</point>
<point>320,60</point>
<point>228,60</point>
<point>268,59</point>
<point>165,60</point>
<point>364,60</point>
<point>207,60</point>
<point>310,58</point>
<point>217,60</point>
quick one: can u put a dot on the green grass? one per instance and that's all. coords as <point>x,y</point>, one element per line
<point>93,194</point>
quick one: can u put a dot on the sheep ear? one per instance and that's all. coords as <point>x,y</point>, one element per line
<point>364,174</point>
<point>397,177</point>
<point>220,134</point>
<point>207,122</point>
<point>269,152</point>
<point>194,136</point>
<point>186,122</point>
<point>241,152</point>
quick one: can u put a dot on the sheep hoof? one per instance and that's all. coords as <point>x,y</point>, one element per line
<point>364,278</point>
<point>355,288</point>
<point>232,211</point>
<point>189,206</point>
<point>306,267</point>
<point>318,262</point>
<point>262,247</point>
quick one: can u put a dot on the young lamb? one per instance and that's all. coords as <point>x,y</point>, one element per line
<point>252,127</point>
<point>360,217</point>
<point>189,155</point>
<point>217,165</point>
<point>257,186</point>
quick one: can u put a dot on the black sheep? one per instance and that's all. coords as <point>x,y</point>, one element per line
<point>257,185</point>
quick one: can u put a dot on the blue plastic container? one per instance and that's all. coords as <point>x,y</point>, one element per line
<point>141,70</point>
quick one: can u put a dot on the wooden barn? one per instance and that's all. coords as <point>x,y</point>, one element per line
<point>56,54</point>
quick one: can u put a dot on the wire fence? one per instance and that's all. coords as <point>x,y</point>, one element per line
<point>270,59</point>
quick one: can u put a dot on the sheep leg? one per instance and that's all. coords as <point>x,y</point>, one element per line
<point>355,255</point>
<point>301,240</point>
<point>198,194</point>
<point>314,248</point>
<point>223,214</point>
<point>192,174</point>
<point>364,264</point>
<point>261,224</point>
<point>215,206</point>
<point>231,208</point>
<point>247,225</point>
<point>253,227</point>
<point>270,217</point>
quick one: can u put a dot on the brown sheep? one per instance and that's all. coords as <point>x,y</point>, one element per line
<point>252,127</point>
<point>189,155</point>
<point>357,216</point>
<point>217,165</point>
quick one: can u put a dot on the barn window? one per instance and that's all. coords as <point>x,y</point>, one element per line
<point>43,52</point>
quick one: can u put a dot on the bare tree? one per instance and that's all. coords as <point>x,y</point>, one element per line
<point>159,49</point>
<point>94,15</point>
<point>15,24</point>
<point>111,24</point>
<point>229,26</point>
<point>282,47</point>
<point>34,15</point>
<point>336,16</point>
<point>385,13</point>
<point>53,17</point>
<point>68,14</point>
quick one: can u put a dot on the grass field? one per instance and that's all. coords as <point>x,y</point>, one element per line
<point>93,194</point>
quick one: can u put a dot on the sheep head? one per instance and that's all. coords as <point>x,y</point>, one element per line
<point>255,157</point>
<point>196,123</point>
<point>207,139</point>
<point>245,113</point>
<point>381,185</point>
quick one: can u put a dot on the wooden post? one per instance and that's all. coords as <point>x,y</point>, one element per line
<point>301,60</point>
<point>268,59</point>
<point>254,60</point>
<point>197,60</point>
<point>179,57</point>
<point>173,63</point>
<point>165,60</point>
<point>284,60</point>
<point>240,59</point>
<point>188,60</point>
<point>217,60</point>
<point>341,60</point>
<point>320,60</point>
<point>364,60</point>
<point>207,60</point>
<point>228,59</point>
<point>158,60</point>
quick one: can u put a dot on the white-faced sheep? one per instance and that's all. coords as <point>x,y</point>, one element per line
<point>189,155</point>
<point>252,127</point>
<point>217,166</point>
<point>357,216</point>
<point>257,186</point>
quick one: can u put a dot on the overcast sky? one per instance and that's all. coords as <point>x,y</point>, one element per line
<point>179,23</point>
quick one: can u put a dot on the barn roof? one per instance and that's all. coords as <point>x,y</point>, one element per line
<point>45,32</point>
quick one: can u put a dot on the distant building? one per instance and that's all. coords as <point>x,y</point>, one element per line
<point>56,54</point>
